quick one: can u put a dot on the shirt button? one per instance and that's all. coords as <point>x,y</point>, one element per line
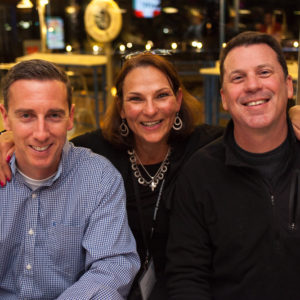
<point>34,196</point>
<point>31,232</point>
<point>28,267</point>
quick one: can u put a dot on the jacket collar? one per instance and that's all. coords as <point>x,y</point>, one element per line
<point>231,156</point>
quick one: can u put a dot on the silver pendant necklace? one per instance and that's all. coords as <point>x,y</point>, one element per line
<point>154,180</point>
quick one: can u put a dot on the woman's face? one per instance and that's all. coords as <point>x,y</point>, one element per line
<point>149,105</point>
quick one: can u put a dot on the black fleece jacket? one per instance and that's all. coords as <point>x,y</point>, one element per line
<point>233,236</point>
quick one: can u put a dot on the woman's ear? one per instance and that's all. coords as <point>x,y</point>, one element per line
<point>120,107</point>
<point>179,99</point>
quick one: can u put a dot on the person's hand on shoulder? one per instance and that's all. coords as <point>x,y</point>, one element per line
<point>6,151</point>
<point>294,113</point>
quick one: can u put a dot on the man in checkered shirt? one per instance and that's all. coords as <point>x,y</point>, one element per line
<point>63,223</point>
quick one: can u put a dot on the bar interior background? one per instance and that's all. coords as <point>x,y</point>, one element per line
<point>194,29</point>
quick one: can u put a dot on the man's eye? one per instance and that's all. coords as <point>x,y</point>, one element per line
<point>26,116</point>
<point>265,72</point>
<point>236,78</point>
<point>55,116</point>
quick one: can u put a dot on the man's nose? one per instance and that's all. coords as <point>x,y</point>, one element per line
<point>253,83</point>
<point>41,131</point>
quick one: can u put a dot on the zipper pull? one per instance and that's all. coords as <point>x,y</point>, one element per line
<point>272,200</point>
<point>293,226</point>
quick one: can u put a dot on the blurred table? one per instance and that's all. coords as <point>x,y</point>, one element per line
<point>6,66</point>
<point>212,90</point>
<point>79,61</point>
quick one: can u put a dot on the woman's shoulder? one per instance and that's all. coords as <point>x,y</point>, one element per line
<point>89,139</point>
<point>209,131</point>
<point>95,141</point>
<point>204,134</point>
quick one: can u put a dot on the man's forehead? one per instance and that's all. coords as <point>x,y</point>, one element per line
<point>37,94</point>
<point>34,111</point>
<point>250,54</point>
<point>252,48</point>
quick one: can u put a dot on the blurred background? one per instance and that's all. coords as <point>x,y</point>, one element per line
<point>194,30</point>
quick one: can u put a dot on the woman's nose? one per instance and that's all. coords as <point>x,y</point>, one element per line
<point>150,107</point>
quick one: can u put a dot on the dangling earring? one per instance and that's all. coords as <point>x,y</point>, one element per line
<point>124,130</point>
<point>177,123</point>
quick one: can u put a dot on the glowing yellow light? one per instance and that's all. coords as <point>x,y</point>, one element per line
<point>224,45</point>
<point>296,44</point>
<point>122,48</point>
<point>70,9</point>
<point>129,45</point>
<point>95,48</point>
<point>174,46</point>
<point>113,91</point>
<point>208,25</point>
<point>170,10</point>
<point>194,43</point>
<point>44,2</point>
<point>150,43</point>
<point>25,4</point>
<point>68,48</point>
<point>199,45</point>
<point>148,47</point>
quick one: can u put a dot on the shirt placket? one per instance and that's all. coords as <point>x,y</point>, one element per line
<point>32,211</point>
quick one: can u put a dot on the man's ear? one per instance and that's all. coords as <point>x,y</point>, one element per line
<point>224,102</point>
<point>71,117</point>
<point>4,114</point>
<point>289,83</point>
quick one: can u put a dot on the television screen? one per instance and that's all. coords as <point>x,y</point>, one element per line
<point>146,8</point>
<point>55,33</point>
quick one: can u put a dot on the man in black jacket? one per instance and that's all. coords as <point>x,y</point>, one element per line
<point>235,223</point>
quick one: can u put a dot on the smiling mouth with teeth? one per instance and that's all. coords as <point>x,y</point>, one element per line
<point>254,103</point>
<point>151,123</point>
<point>40,149</point>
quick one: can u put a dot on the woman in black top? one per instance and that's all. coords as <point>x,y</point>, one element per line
<point>149,131</point>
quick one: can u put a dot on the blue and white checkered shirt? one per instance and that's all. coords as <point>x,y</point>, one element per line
<point>69,239</point>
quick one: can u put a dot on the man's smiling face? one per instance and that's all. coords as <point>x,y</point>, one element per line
<point>39,117</point>
<point>255,90</point>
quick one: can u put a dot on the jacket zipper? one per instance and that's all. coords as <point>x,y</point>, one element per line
<point>293,201</point>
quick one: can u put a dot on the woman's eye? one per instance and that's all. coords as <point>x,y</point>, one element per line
<point>135,99</point>
<point>162,95</point>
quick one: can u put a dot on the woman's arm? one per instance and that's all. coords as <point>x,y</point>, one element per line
<point>6,151</point>
<point>294,114</point>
